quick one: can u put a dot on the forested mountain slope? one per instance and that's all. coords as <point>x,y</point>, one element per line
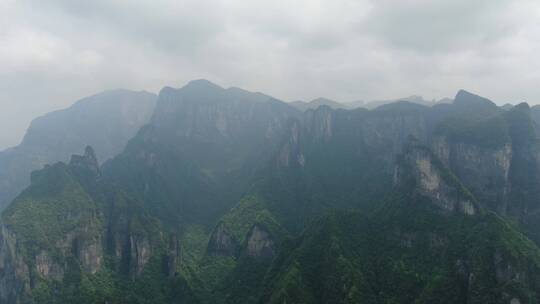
<point>228,196</point>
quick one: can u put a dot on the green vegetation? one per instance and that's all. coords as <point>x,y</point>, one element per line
<point>54,206</point>
<point>249,211</point>
<point>331,196</point>
<point>351,258</point>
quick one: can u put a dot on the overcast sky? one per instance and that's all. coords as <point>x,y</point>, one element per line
<point>56,51</point>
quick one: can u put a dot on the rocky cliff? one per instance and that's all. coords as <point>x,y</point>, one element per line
<point>49,225</point>
<point>419,170</point>
<point>67,227</point>
<point>228,191</point>
<point>201,137</point>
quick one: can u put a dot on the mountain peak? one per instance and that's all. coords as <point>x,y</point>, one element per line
<point>88,161</point>
<point>197,85</point>
<point>467,98</point>
<point>317,102</point>
<point>523,107</point>
<point>90,154</point>
<point>202,84</point>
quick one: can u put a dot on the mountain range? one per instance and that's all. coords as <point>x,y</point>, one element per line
<point>105,121</point>
<point>315,103</point>
<point>214,195</point>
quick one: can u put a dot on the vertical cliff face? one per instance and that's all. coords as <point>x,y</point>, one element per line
<point>290,153</point>
<point>75,234</point>
<point>320,122</point>
<point>420,171</point>
<point>248,229</point>
<point>15,278</point>
<point>50,224</point>
<point>64,226</point>
<point>203,146</point>
<point>338,159</point>
<point>260,243</point>
<point>495,158</point>
<point>387,128</point>
<point>204,112</point>
<point>136,252</point>
<point>379,134</point>
<point>222,242</point>
<point>524,170</point>
<point>524,176</point>
<point>484,170</point>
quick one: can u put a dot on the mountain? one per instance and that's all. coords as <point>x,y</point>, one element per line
<point>105,121</point>
<point>69,238</point>
<point>229,196</point>
<point>315,103</point>
<point>535,113</point>
<point>507,106</point>
<point>413,99</point>
<point>202,147</point>
<point>353,258</point>
<point>347,162</point>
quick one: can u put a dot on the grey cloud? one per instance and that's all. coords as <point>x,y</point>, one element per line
<point>439,25</point>
<point>170,25</point>
<point>55,52</point>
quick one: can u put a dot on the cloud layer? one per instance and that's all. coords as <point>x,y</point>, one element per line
<point>54,52</point>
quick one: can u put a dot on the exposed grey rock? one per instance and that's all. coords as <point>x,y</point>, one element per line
<point>88,161</point>
<point>19,275</point>
<point>388,128</point>
<point>260,243</point>
<point>290,153</point>
<point>222,242</point>
<point>420,165</point>
<point>483,170</point>
<point>137,253</point>
<point>15,278</point>
<point>320,123</point>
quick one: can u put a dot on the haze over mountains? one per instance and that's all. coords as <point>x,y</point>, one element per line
<point>212,195</point>
<point>105,121</point>
<point>314,104</point>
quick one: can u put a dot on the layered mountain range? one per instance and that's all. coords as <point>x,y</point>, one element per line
<point>370,105</point>
<point>105,121</point>
<point>229,196</point>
